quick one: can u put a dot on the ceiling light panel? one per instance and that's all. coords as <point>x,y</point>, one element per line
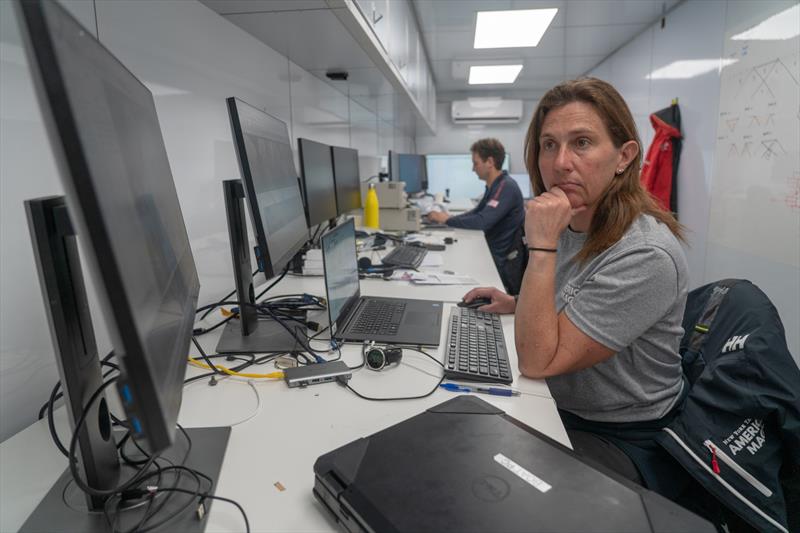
<point>493,74</point>
<point>512,29</point>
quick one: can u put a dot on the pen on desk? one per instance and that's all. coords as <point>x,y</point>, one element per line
<point>494,391</point>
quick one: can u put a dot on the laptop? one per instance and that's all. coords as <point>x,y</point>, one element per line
<point>466,466</point>
<point>358,318</point>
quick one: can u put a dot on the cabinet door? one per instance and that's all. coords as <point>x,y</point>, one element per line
<point>376,14</point>
<point>398,35</point>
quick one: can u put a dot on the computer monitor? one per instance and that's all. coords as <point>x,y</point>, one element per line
<point>316,169</point>
<point>413,171</point>
<point>122,204</point>
<point>346,178</point>
<point>270,184</point>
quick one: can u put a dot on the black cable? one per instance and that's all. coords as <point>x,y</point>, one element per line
<point>256,361</point>
<point>213,497</point>
<point>204,355</point>
<point>224,301</point>
<point>364,360</point>
<point>50,408</point>
<point>73,462</point>
<point>420,350</point>
<point>203,331</point>
<point>391,399</point>
<point>151,511</point>
<point>225,297</point>
<point>293,333</point>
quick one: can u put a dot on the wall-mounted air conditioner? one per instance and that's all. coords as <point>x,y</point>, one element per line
<point>486,111</point>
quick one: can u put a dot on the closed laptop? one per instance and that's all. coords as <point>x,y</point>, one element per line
<point>465,466</point>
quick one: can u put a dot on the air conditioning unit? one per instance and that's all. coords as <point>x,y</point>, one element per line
<point>486,111</point>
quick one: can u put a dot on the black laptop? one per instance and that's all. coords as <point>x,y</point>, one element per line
<point>357,318</point>
<point>466,466</point>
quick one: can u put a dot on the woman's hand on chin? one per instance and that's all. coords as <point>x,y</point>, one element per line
<point>547,216</point>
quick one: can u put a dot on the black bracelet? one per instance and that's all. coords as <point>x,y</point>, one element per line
<point>535,249</point>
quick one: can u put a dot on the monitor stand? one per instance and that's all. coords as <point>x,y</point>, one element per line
<point>66,507</point>
<point>248,333</point>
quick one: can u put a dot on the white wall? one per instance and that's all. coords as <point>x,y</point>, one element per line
<point>697,30</point>
<point>694,30</point>
<point>457,138</point>
<point>192,59</point>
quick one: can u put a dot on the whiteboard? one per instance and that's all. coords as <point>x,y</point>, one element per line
<point>454,172</point>
<point>754,216</point>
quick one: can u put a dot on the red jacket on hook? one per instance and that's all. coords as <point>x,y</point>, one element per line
<point>660,168</point>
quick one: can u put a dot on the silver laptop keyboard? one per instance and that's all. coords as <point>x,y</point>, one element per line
<point>476,347</point>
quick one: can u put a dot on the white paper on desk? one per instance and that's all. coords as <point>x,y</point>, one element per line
<point>432,260</point>
<point>432,278</point>
<point>401,275</point>
<point>425,238</point>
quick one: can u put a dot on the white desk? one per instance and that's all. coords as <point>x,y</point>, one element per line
<point>279,432</point>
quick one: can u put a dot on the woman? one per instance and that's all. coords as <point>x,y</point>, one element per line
<point>602,299</point>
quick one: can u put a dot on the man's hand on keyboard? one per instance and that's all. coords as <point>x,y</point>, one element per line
<point>438,217</point>
<point>502,303</point>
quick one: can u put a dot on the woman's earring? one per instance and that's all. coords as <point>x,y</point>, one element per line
<point>620,171</point>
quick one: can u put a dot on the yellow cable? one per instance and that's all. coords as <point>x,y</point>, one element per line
<point>271,375</point>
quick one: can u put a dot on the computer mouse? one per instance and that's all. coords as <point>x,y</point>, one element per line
<point>474,304</point>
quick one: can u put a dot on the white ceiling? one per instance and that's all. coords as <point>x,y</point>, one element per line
<point>583,33</point>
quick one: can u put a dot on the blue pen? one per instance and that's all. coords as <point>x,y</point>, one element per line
<point>494,391</point>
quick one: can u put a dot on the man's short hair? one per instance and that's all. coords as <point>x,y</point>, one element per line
<point>486,148</point>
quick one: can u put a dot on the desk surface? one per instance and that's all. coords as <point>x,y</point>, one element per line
<point>279,432</point>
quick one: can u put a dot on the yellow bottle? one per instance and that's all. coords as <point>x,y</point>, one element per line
<point>371,209</point>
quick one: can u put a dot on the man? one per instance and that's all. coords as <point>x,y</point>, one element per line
<point>501,212</point>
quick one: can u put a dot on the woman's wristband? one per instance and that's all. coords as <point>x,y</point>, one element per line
<point>537,249</point>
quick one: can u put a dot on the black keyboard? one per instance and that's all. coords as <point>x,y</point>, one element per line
<point>405,256</point>
<point>476,348</point>
<point>379,317</point>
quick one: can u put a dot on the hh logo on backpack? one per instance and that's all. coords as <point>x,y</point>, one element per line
<point>734,343</point>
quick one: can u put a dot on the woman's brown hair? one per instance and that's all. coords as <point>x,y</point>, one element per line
<point>625,198</point>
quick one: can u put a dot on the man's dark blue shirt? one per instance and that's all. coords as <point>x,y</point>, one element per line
<point>499,214</point>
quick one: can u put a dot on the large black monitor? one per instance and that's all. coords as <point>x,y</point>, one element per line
<point>346,177</point>
<point>107,142</point>
<point>270,184</point>
<point>316,169</point>
<point>122,204</point>
<point>413,171</point>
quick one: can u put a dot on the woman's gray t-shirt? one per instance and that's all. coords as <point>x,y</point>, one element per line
<point>630,299</point>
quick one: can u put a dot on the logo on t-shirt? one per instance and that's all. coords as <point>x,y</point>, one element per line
<point>568,292</point>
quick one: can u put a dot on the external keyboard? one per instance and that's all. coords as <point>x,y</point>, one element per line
<point>379,317</point>
<point>405,256</point>
<point>476,347</point>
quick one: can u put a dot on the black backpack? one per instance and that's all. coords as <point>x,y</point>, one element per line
<point>738,434</point>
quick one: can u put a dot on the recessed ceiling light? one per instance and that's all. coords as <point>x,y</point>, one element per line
<point>512,29</point>
<point>688,68</point>
<point>778,27</point>
<point>487,74</point>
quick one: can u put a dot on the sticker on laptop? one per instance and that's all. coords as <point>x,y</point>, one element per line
<point>523,474</point>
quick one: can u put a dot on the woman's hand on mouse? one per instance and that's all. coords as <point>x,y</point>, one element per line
<point>502,303</point>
